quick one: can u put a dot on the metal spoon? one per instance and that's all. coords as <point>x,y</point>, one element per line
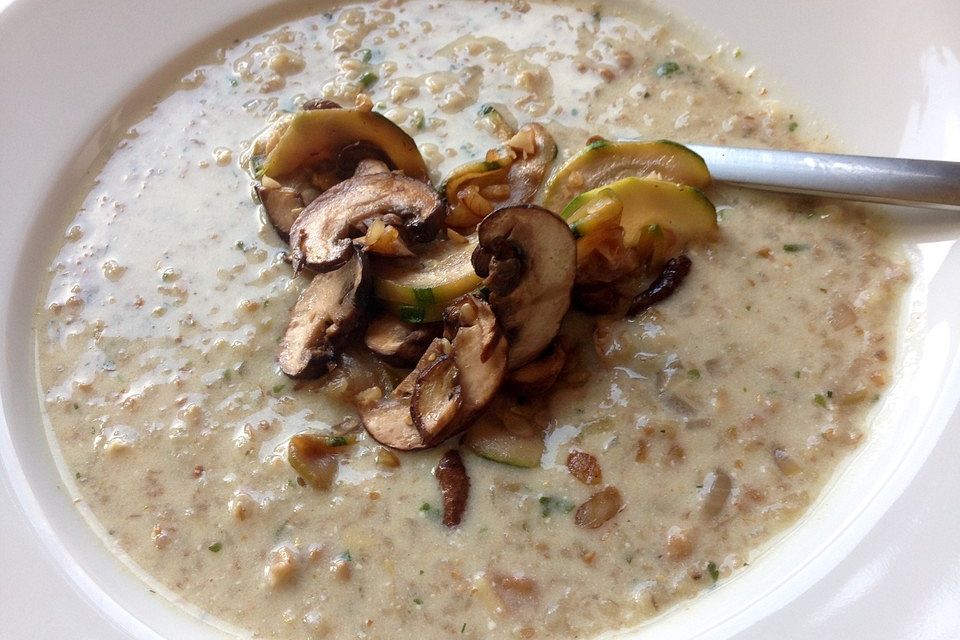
<point>933,184</point>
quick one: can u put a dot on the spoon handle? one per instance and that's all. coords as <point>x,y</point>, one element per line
<point>932,184</point>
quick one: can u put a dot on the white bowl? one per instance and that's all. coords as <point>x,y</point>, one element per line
<point>876,557</point>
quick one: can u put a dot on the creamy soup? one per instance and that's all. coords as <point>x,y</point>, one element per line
<point>717,415</point>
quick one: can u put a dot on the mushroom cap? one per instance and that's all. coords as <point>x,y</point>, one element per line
<point>322,236</point>
<point>452,383</point>
<point>527,256</point>
<point>396,342</point>
<point>282,204</point>
<point>326,313</point>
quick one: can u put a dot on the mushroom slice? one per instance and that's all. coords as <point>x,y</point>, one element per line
<point>391,424</point>
<point>510,175</point>
<point>417,414</point>
<point>317,137</point>
<point>322,236</point>
<point>328,310</point>
<point>436,398</point>
<point>480,351</point>
<point>536,151</point>
<point>282,205</point>
<point>536,377</point>
<point>454,487</point>
<point>527,256</point>
<point>399,343</point>
<point>370,166</point>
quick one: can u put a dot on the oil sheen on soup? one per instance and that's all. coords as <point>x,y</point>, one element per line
<point>717,415</point>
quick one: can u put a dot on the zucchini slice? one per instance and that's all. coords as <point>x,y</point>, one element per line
<point>439,273</point>
<point>605,161</point>
<point>317,137</point>
<point>489,439</point>
<point>652,208</point>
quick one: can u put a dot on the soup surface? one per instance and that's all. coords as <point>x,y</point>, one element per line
<point>718,415</point>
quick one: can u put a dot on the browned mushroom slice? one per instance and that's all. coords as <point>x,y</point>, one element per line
<point>328,310</point>
<point>475,360</point>
<point>391,424</point>
<point>454,487</point>
<point>322,237</point>
<point>399,343</point>
<point>436,398</point>
<point>527,256</point>
<point>282,205</point>
<point>480,351</point>
<point>536,377</point>
<point>536,152</point>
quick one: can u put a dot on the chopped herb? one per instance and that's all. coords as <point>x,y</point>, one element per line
<point>430,511</point>
<point>76,406</point>
<point>629,558</point>
<point>574,111</point>
<point>486,110</point>
<point>793,126</point>
<point>339,441</point>
<point>421,571</point>
<point>77,475</point>
<point>368,79</point>
<point>549,504</point>
<point>737,52</point>
<point>366,55</point>
<point>278,388</point>
<point>713,570</point>
<point>226,374</point>
<point>420,122</point>
<point>417,601</point>
<point>240,244</point>
<point>380,106</point>
<point>667,68</point>
<point>596,15</point>
<point>829,393</point>
<point>693,374</point>
<point>234,82</point>
<point>345,556</point>
<point>820,400</point>
<point>597,144</point>
<point>796,374</point>
<point>793,248</point>
<point>646,94</point>
<point>215,547</point>
<point>487,166</point>
<point>463,628</point>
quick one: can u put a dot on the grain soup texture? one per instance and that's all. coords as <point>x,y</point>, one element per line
<point>718,415</point>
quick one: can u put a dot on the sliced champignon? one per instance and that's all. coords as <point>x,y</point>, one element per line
<point>472,366</point>
<point>328,310</point>
<point>322,237</point>
<point>454,487</point>
<point>671,277</point>
<point>508,176</point>
<point>584,467</point>
<point>480,350</point>
<point>282,204</point>
<point>436,398</point>
<point>527,256</point>
<point>399,343</point>
<point>536,151</point>
<point>538,376</point>
<point>716,489</point>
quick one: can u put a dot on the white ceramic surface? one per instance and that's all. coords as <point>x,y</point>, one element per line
<point>877,557</point>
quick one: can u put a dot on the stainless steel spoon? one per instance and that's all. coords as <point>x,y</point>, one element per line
<point>933,184</point>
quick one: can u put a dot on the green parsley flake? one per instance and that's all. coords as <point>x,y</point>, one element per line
<point>215,547</point>
<point>667,68</point>
<point>369,79</point>
<point>794,248</point>
<point>713,570</point>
